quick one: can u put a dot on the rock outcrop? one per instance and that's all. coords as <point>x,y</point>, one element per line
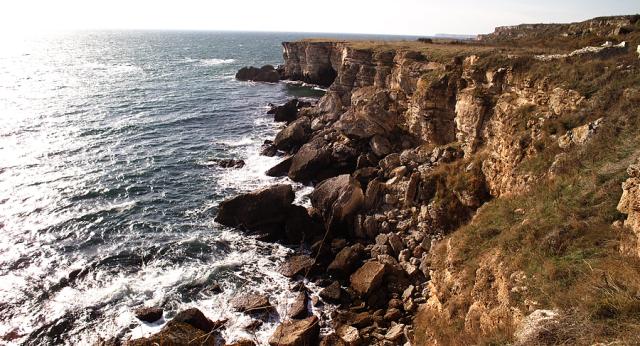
<point>266,73</point>
<point>630,206</point>
<point>406,149</point>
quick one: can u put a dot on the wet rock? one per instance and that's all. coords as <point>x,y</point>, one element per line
<point>296,333</point>
<point>149,314</point>
<point>216,288</point>
<point>332,293</point>
<point>268,149</point>
<point>296,265</point>
<point>231,163</point>
<point>257,210</point>
<point>346,261</point>
<point>266,73</point>
<point>338,199</point>
<point>281,169</point>
<point>294,135</point>
<point>312,162</point>
<point>197,319</point>
<point>251,303</point>
<point>368,277</point>
<point>300,226</point>
<point>298,308</point>
<point>288,111</point>
<point>177,333</point>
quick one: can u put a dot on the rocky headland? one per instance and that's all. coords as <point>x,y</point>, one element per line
<point>464,192</point>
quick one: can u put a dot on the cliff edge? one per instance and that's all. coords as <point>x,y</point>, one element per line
<point>491,173</point>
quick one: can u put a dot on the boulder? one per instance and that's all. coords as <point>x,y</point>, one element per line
<point>258,210</point>
<point>349,335</point>
<point>231,163</point>
<point>266,73</point>
<point>294,135</point>
<point>149,314</point>
<point>251,303</point>
<point>189,327</point>
<point>298,308</point>
<point>331,340</point>
<point>268,149</point>
<point>368,278</point>
<point>311,162</point>
<point>296,265</point>
<point>346,261</point>
<point>395,332</point>
<point>331,293</point>
<point>281,169</point>
<point>338,200</point>
<point>288,112</point>
<point>300,226</point>
<point>380,146</point>
<point>197,319</point>
<point>296,333</point>
<point>579,135</point>
<point>174,334</point>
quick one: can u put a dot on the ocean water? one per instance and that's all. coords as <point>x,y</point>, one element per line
<point>108,185</point>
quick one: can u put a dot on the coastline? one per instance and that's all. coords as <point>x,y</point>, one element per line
<point>409,152</point>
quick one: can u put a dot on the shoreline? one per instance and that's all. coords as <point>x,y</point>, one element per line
<point>423,157</point>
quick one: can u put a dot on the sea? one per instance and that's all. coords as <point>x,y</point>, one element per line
<point>109,182</point>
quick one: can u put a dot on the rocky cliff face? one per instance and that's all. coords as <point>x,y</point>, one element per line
<point>429,141</point>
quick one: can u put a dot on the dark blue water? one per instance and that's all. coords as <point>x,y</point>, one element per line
<point>108,185</point>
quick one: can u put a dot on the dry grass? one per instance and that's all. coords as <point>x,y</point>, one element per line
<point>560,233</point>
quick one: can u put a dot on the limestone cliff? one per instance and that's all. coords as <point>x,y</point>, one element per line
<point>439,137</point>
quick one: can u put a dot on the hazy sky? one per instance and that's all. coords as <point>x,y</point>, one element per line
<point>391,17</point>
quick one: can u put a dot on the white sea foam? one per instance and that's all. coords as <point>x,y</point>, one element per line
<point>208,62</point>
<point>244,141</point>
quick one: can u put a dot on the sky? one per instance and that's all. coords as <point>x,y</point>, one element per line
<point>402,17</point>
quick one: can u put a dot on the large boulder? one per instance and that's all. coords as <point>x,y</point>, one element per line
<point>288,112</point>
<point>311,162</point>
<point>252,303</point>
<point>175,334</point>
<point>266,73</point>
<point>189,327</point>
<point>296,265</point>
<point>368,278</point>
<point>338,200</point>
<point>296,333</point>
<point>346,261</point>
<point>298,308</point>
<point>281,169</point>
<point>197,319</point>
<point>294,135</point>
<point>258,210</point>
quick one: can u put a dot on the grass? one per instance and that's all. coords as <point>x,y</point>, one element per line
<point>560,233</point>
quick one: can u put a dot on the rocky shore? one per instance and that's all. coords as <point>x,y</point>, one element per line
<point>409,149</point>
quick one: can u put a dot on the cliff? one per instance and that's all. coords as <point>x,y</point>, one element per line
<point>489,183</point>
